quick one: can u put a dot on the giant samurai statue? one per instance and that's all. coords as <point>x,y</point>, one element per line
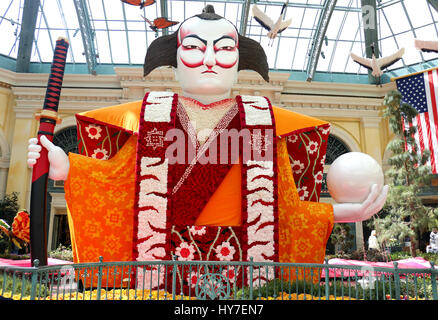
<point>166,178</point>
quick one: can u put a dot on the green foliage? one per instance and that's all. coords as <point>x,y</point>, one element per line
<point>8,209</point>
<point>404,213</point>
<point>410,287</point>
<point>15,284</point>
<point>62,253</point>
<point>342,238</point>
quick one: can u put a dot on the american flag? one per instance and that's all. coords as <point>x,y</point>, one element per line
<point>421,92</point>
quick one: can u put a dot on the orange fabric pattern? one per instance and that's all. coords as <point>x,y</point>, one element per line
<point>100,197</point>
<point>304,226</point>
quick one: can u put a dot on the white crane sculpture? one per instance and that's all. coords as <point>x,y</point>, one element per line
<point>377,65</point>
<point>426,46</point>
<point>266,22</point>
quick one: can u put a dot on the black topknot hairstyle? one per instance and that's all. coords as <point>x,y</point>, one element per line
<point>162,51</point>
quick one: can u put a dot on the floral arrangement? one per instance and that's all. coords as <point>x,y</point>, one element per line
<point>19,233</point>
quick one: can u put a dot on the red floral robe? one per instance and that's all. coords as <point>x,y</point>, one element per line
<point>101,195</point>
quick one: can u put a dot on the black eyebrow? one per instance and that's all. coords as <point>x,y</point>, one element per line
<point>197,37</point>
<point>224,37</point>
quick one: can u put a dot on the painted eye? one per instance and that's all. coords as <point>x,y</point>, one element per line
<point>191,47</point>
<point>228,48</point>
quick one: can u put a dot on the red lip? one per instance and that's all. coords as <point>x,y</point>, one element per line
<point>209,71</point>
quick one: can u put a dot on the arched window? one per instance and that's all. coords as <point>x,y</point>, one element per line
<point>67,139</point>
<point>335,148</point>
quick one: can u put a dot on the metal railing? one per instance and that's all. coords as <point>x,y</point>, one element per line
<point>200,280</point>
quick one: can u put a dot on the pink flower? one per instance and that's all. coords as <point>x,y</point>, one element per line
<point>230,273</point>
<point>318,177</point>
<point>192,278</point>
<point>101,154</point>
<point>297,166</point>
<point>303,193</point>
<point>225,251</point>
<point>312,147</point>
<point>198,230</point>
<point>185,251</point>
<point>93,131</point>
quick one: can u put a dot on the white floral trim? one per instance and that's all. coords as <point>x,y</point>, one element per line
<point>150,277</point>
<point>152,197</point>
<point>160,107</point>
<point>259,209</point>
<point>257,110</point>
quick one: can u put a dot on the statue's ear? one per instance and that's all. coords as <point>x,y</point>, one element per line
<point>253,57</point>
<point>161,52</point>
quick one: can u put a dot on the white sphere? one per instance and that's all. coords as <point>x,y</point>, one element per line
<point>350,177</point>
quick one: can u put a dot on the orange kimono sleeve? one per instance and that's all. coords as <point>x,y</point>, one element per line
<point>100,201</point>
<point>304,227</point>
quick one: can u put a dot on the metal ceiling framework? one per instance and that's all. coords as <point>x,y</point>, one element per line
<point>244,17</point>
<point>164,13</point>
<point>87,34</point>
<point>27,34</point>
<point>434,4</point>
<point>315,50</point>
<point>369,18</point>
<point>367,10</point>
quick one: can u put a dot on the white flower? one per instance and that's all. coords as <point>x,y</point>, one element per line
<point>303,193</point>
<point>185,251</point>
<point>93,131</point>
<point>101,154</point>
<point>293,138</point>
<point>297,166</point>
<point>312,147</point>
<point>319,176</point>
<point>198,230</point>
<point>324,131</point>
<point>323,160</point>
<point>225,251</point>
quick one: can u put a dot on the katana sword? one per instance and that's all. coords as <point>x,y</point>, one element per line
<point>48,118</point>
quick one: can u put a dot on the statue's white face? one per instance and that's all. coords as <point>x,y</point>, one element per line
<point>207,58</point>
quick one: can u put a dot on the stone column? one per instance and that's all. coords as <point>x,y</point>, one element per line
<point>19,174</point>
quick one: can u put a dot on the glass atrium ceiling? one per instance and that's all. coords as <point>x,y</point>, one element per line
<point>120,35</point>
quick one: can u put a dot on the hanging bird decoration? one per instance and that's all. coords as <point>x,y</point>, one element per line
<point>159,23</point>
<point>377,65</point>
<point>140,3</point>
<point>274,28</point>
<point>426,46</point>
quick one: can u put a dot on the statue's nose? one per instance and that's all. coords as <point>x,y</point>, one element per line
<point>209,58</point>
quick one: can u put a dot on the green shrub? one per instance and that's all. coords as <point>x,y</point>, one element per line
<point>410,287</point>
<point>16,285</point>
<point>62,253</point>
